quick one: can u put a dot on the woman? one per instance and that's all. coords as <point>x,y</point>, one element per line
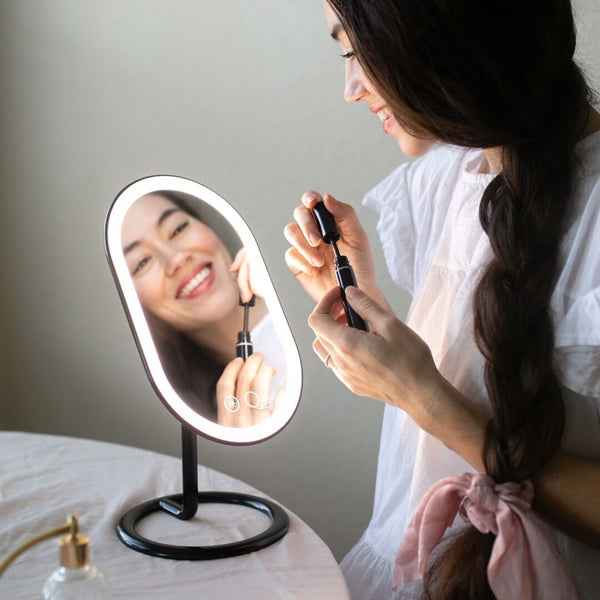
<point>193,295</point>
<point>493,388</point>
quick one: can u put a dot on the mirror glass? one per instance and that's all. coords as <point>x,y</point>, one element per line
<point>203,310</point>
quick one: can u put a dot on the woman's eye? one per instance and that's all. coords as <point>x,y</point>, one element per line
<point>348,55</point>
<point>140,265</point>
<point>179,229</point>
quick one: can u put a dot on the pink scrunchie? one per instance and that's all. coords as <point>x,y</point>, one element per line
<point>524,564</point>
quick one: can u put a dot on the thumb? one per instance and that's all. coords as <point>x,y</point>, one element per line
<point>365,306</point>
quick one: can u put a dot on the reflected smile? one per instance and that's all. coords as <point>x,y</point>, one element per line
<point>196,283</point>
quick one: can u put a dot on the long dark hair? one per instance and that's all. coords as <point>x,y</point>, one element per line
<point>481,75</point>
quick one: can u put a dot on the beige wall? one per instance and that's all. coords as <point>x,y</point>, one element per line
<point>245,97</point>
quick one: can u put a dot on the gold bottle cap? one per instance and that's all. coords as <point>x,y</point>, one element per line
<point>74,548</point>
<point>74,551</point>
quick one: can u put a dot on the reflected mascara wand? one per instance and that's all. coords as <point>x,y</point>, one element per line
<point>243,348</point>
<point>343,270</point>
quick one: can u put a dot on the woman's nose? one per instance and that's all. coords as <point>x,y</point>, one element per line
<point>176,259</point>
<point>354,88</point>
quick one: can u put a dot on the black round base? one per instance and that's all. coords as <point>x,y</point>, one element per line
<point>280,523</point>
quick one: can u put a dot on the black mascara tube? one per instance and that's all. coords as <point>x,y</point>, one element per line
<point>344,272</point>
<point>345,275</point>
<point>243,348</point>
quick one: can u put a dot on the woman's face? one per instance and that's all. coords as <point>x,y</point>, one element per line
<point>358,87</point>
<point>180,268</point>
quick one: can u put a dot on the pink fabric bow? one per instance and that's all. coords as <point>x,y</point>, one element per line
<point>524,564</point>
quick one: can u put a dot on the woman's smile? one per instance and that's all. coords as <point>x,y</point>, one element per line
<point>385,116</point>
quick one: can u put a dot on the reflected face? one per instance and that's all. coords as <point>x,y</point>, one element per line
<point>359,88</point>
<point>179,266</point>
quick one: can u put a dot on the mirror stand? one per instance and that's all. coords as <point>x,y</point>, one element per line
<point>184,506</point>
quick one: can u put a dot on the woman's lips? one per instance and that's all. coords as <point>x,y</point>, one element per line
<point>385,116</point>
<point>386,120</point>
<point>196,283</point>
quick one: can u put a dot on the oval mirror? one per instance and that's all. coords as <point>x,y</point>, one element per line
<point>203,310</point>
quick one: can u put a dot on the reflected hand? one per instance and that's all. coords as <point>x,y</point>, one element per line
<point>244,392</point>
<point>247,280</point>
<point>390,363</point>
<point>311,260</point>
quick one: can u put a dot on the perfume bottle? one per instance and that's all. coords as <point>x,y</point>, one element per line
<point>75,579</point>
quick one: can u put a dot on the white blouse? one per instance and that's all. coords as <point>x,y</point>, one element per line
<point>434,247</point>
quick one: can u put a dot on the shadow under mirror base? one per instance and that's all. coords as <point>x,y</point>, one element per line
<point>126,529</point>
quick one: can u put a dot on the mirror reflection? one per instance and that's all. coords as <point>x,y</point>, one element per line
<point>208,304</point>
<point>201,300</point>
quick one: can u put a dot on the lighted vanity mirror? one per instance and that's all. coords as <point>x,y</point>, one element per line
<point>197,294</point>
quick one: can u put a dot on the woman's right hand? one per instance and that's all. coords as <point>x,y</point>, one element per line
<point>311,260</point>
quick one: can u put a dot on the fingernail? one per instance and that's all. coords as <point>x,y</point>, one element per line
<point>314,238</point>
<point>351,292</point>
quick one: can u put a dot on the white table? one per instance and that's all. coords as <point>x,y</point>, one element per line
<point>43,478</point>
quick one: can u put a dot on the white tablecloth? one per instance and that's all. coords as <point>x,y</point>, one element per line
<point>43,478</point>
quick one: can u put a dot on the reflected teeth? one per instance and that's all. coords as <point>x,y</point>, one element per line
<point>194,282</point>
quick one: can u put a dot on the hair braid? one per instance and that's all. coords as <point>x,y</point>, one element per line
<point>524,212</point>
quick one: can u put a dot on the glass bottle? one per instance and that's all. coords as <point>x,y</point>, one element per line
<point>75,579</point>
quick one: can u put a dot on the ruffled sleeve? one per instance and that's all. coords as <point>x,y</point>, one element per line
<point>577,352</point>
<point>390,198</point>
<point>412,204</point>
<point>577,296</point>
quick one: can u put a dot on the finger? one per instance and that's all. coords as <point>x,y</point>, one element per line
<point>325,313</point>
<point>226,385</point>
<point>245,416</point>
<point>306,220</point>
<point>367,308</point>
<point>243,279</point>
<point>346,220</point>
<point>327,324</point>
<point>248,373</point>
<point>226,398</point>
<point>319,349</point>
<point>224,417</point>
<point>240,257</point>
<point>262,386</point>
<point>279,396</point>
<point>298,264</point>
<point>323,350</point>
<point>258,399</point>
<point>310,198</point>
<point>298,238</point>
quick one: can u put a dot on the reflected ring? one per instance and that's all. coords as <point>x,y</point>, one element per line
<point>231,403</point>
<point>256,406</point>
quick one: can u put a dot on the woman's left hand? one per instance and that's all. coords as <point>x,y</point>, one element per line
<point>390,363</point>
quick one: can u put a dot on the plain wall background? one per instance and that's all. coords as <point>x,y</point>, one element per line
<point>244,97</point>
